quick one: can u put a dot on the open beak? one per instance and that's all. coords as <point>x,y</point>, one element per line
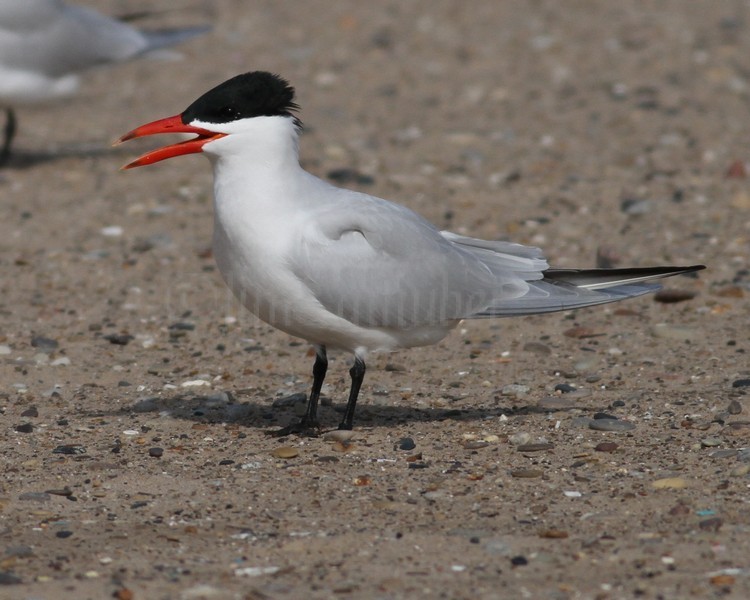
<point>169,125</point>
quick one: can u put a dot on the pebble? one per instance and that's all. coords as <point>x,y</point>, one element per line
<point>44,344</point>
<point>119,339</point>
<point>537,348</point>
<point>35,497</point>
<point>8,578</point>
<point>62,361</point>
<point>69,449</point>
<point>734,408</point>
<point>519,438</point>
<point>111,231</point>
<point>540,447</point>
<point>711,442</point>
<point>740,470</point>
<point>156,452</point>
<point>63,534</point>
<point>285,452</point>
<point>611,425</point>
<point>634,206</point>
<point>572,494</point>
<point>5,349</point>
<point>338,435</point>
<point>406,443</point>
<point>728,453</point>
<point>671,296</point>
<point>738,383</point>
<point>565,388</point>
<point>25,428</point>
<point>606,447</point>
<point>514,389</point>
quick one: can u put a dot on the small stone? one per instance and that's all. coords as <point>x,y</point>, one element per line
<point>5,350</point>
<point>606,447</point>
<point>338,435</point>
<point>25,428</point>
<point>676,483</point>
<point>8,578</point>
<point>156,452</point>
<point>734,408</point>
<point>565,388</point>
<point>69,449</point>
<point>475,444</point>
<point>285,452</point>
<point>519,561</point>
<point>634,206</point>
<point>723,580</point>
<point>712,524</point>
<point>541,447</point>
<point>34,497</point>
<point>63,534</point>
<point>553,534</point>
<point>671,296</point>
<point>740,471</point>
<point>537,348</point>
<point>514,389</point>
<point>711,442</point>
<point>32,411</point>
<point>738,383</point>
<point>728,453</point>
<point>406,443</point>
<point>119,339</point>
<point>44,344</point>
<point>611,425</point>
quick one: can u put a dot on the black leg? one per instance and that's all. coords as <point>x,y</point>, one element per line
<point>8,134</point>
<point>319,374</point>
<point>357,373</point>
<point>309,423</point>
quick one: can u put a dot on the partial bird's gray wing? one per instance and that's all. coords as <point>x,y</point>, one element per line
<point>56,39</point>
<point>378,264</point>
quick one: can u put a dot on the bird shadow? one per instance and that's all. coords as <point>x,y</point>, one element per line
<point>272,415</point>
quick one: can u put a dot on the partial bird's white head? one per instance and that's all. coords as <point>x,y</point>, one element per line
<point>242,105</point>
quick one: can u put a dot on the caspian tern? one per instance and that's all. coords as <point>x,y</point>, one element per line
<point>345,270</point>
<point>45,44</point>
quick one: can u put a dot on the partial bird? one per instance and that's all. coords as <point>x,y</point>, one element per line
<point>46,44</point>
<point>343,269</point>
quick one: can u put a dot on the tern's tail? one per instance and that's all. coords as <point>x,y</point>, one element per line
<point>565,289</point>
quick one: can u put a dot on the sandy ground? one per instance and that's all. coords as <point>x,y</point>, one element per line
<point>136,395</point>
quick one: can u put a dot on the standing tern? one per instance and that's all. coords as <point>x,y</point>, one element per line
<point>343,269</point>
<point>45,44</point>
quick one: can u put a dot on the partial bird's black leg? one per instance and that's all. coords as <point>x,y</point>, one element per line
<point>8,134</point>
<point>357,373</point>
<point>309,424</point>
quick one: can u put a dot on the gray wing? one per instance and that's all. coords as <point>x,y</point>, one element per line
<point>56,39</point>
<point>378,264</point>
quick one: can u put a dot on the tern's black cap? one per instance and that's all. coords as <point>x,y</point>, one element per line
<point>254,94</point>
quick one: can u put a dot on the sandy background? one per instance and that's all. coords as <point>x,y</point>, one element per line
<point>136,395</point>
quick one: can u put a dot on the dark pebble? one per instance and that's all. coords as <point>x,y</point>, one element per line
<point>156,452</point>
<point>670,296</point>
<point>541,447</point>
<point>738,383</point>
<point>618,404</point>
<point>44,344</point>
<point>139,504</point>
<point>63,534</point>
<point>32,411</point>
<point>603,415</point>
<point>417,465</point>
<point>182,326</point>
<point>226,461</point>
<point>519,561</point>
<point>66,491</point>
<point>124,384</point>
<point>565,388</point>
<point>24,428</point>
<point>69,449</point>
<point>606,447</point>
<point>7,578</point>
<point>406,443</point>
<point>734,408</point>
<point>21,551</point>
<point>119,339</point>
